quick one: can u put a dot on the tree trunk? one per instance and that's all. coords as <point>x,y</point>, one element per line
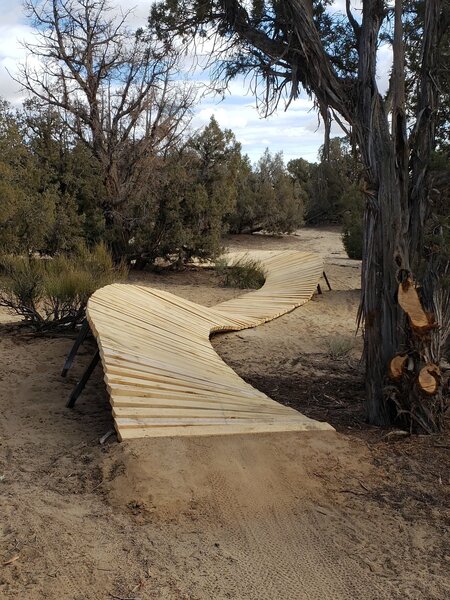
<point>393,243</point>
<point>384,254</point>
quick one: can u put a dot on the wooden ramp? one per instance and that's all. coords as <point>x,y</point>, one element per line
<point>164,377</point>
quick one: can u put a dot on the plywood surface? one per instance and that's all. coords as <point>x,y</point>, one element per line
<point>163,376</point>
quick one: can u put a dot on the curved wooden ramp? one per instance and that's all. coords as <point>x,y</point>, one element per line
<point>164,377</point>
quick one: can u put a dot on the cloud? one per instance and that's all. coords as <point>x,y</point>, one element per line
<point>140,10</point>
<point>12,32</point>
<point>384,65</point>
<point>296,131</point>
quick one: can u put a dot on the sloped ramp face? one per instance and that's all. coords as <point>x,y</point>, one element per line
<point>164,377</point>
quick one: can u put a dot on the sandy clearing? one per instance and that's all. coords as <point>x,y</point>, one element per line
<point>284,517</point>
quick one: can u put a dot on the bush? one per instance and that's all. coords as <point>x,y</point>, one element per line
<point>352,235</point>
<point>268,198</point>
<point>339,347</point>
<point>53,293</point>
<point>243,273</point>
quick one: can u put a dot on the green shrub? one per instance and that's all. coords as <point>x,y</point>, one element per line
<point>352,236</point>
<point>244,273</point>
<point>53,293</point>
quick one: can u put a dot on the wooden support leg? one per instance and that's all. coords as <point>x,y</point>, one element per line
<point>85,378</point>
<point>80,339</point>
<point>326,279</point>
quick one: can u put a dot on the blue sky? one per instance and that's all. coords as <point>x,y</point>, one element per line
<point>295,132</point>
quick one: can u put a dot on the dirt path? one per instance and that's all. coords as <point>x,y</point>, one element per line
<point>342,516</point>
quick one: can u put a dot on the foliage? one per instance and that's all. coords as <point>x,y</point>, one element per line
<point>339,347</point>
<point>27,205</point>
<point>300,170</point>
<point>116,92</point>
<point>195,189</point>
<point>352,230</point>
<point>414,18</point>
<point>326,185</point>
<point>68,167</point>
<point>269,199</point>
<point>53,193</point>
<point>48,187</point>
<point>244,273</point>
<point>215,161</point>
<point>244,219</point>
<point>52,293</point>
<point>352,236</point>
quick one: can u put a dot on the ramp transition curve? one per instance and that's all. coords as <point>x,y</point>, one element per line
<point>163,376</point>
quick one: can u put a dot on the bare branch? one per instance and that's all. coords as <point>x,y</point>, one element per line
<point>115,89</point>
<point>353,22</point>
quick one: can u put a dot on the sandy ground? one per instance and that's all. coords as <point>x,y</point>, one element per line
<point>357,514</point>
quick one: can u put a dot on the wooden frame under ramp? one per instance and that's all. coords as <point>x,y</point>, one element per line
<point>163,376</point>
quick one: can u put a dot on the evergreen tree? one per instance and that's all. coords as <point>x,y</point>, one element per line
<point>293,45</point>
<point>27,204</point>
<point>196,190</point>
<point>269,198</point>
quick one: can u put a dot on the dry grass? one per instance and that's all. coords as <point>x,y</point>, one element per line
<point>244,273</point>
<point>339,346</point>
<point>52,293</point>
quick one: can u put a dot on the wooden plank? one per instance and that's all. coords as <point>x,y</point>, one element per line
<point>163,375</point>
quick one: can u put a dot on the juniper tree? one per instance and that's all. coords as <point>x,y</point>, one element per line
<point>115,88</point>
<point>294,45</point>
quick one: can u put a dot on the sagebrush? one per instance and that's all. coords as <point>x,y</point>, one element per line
<point>339,346</point>
<point>52,293</point>
<point>244,273</point>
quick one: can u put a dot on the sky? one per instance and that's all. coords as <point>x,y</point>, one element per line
<point>295,132</point>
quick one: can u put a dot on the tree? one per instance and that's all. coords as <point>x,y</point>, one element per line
<point>414,14</point>
<point>216,156</point>
<point>196,188</point>
<point>291,45</point>
<point>268,199</point>
<point>27,204</point>
<point>352,222</point>
<point>62,170</point>
<point>300,170</point>
<point>245,218</point>
<point>279,199</point>
<point>114,89</point>
<point>326,184</point>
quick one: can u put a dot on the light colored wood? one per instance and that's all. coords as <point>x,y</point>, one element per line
<point>397,366</point>
<point>409,300</point>
<point>428,379</point>
<point>164,377</point>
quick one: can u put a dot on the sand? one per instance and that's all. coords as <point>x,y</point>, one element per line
<point>360,513</point>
